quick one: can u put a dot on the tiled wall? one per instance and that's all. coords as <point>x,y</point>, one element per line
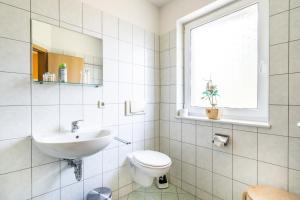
<point>254,155</point>
<point>130,72</point>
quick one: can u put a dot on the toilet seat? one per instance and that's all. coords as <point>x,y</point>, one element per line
<point>151,159</point>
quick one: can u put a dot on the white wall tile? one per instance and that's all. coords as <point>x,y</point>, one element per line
<point>164,59</point>
<point>14,56</point>
<point>91,95</point>
<point>138,132</point>
<point>110,48</point>
<point>110,159</point>
<point>71,12</point>
<point>204,136</point>
<point>15,155</point>
<point>294,60</point>
<point>175,169</point>
<point>125,52</point>
<point>273,149</point>
<point>149,58</point>
<point>110,70</point>
<point>204,180</point>
<point>294,116</point>
<point>273,175</point>
<point>138,74</point>
<point>175,149</point>
<point>92,165</point>
<point>164,42</point>
<point>245,144</point>
<point>49,196</point>
<point>45,178</point>
<point>277,6</point>
<point>48,8</point>
<point>19,182</point>
<point>189,133</point>
<point>294,3</point>
<point>189,153</point>
<point>45,94</point>
<point>175,131</point>
<point>294,24</point>
<point>164,145</point>
<point>16,122</point>
<point>16,90</point>
<point>138,95</point>
<point>222,163</point>
<point>279,28</point>
<point>110,25</point>
<point>294,147</point>
<point>278,119</point>
<point>110,179</point>
<point>125,72</point>
<point>45,120</point>
<point>124,177</point>
<point>279,59</point>
<point>165,94</point>
<point>15,23</point>
<point>149,130</point>
<point>110,115</point>
<point>294,90</point>
<point>164,129</point>
<point>70,94</point>
<point>125,94</point>
<point>294,182</point>
<point>72,192</point>
<point>110,92</point>
<point>279,89</point>
<point>68,114</point>
<point>204,158</point>
<point>245,170</point>
<point>91,183</point>
<point>138,55</point>
<point>222,187</point>
<point>92,18</point>
<point>24,4</point>
<point>204,195</point>
<point>92,117</point>
<point>189,173</point>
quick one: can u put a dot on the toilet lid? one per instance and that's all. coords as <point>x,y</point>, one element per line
<point>151,158</point>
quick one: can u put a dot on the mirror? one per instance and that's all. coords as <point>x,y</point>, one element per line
<point>63,56</point>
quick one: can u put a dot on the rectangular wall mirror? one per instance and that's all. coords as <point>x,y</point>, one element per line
<point>63,56</point>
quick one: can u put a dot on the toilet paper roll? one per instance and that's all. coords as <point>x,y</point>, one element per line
<point>218,144</point>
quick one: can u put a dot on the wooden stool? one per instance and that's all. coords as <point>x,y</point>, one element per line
<point>260,192</point>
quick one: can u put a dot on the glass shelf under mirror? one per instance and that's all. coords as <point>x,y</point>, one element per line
<point>67,83</point>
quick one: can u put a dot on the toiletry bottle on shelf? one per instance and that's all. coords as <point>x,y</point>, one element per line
<point>63,73</point>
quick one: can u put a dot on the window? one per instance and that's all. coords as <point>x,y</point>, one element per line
<point>230,47</point>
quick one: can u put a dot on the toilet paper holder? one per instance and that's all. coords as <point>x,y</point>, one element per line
<point>220,139</point>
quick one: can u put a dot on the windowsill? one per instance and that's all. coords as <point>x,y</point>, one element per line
<point>228,121</point>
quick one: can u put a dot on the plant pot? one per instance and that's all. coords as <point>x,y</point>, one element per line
<point>212,113</point>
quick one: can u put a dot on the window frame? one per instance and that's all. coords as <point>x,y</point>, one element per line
<point>228,7</point>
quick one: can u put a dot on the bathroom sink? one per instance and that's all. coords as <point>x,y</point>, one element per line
<point>73,145</point>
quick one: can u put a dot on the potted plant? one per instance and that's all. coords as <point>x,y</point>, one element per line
<point>211,94</point>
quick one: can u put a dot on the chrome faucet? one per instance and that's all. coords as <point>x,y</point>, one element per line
<point>75,126</point>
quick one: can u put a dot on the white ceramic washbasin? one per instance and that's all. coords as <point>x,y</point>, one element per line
<point>73,145</point>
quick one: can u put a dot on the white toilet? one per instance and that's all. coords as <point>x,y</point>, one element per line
<point>146,165</point>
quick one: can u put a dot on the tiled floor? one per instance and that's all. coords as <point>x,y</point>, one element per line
<point>153,193</point>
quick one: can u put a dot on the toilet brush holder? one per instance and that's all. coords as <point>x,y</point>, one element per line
<point>162,182</point>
